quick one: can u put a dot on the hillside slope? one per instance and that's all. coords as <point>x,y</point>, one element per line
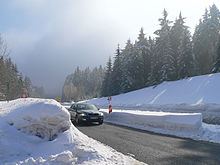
<point>195,90</point>
<point>200,94</point>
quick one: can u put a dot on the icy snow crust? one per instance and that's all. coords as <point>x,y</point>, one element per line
<point>57,142</point>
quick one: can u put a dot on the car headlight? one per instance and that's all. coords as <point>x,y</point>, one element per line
<point>82,114</point>
<point>101,114</point>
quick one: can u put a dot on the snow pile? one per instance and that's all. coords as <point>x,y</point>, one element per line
<point>21,120</point>
<point>164,120</point>
<point>188,125</point>
<point>72,148</point>
<point>46,119</point>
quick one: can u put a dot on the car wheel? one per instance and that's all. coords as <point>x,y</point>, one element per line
<point>78,120</point>
<point>100,122</point>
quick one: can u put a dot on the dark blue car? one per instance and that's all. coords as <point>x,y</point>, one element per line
<point>82,112</point>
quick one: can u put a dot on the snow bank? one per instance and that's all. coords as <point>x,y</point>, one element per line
<point>210,112</point>
<point>22,119</point>
<point>186,125</point>
<point>45,118</point>
<point>164,120</point>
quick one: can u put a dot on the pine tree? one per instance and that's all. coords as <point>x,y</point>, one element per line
<point>126,66</point>
<point>117,73</point>
<point>182,49</point>
<point>214,29</point>
<point>216,65</point>
<point>2,80</point>
<point>144,55</point>
<point>3,49</point>
<point>3,71</point>
<point>205,40</point>
<point>198,48</point>
<point>136,68</point>
<point>186,61</point>
<point>99,80</point>
<point>106,89</point>
<point>176,36</point>
<point>28,86</point>
<point>153,73</point>
<point>163,62</point>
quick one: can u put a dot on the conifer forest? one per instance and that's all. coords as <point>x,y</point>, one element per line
<point>174,53</point>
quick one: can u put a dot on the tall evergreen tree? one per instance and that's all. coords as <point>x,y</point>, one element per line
<point>214,29</point>
<point>205,40</point>
<point>2,80</point>
<point>176,36</point>
<point>217,62</point>
<point>99,80</point>
<point>106,89</point>
<point>28,86</point>
<point>186,61</point>
<point>117,73</point>
<point>182,49</point>
<point>144,55</point>
<point>136,68</point>
<point>126,66</point>
<point>163,62</point>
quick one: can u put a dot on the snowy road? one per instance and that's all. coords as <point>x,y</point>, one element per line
<point>154,148</point>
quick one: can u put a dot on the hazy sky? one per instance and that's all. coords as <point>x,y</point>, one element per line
<point>48,39</point>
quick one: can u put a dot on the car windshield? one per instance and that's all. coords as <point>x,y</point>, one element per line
<point>86,107</point>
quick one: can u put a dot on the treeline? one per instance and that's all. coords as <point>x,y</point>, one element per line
<point>12,83</point>
<point>83,84</point>
<point>174,54</point>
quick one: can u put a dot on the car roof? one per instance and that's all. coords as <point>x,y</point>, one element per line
<point>83,103</point>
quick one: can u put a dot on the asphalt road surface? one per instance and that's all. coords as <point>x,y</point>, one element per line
<point>154,149</point>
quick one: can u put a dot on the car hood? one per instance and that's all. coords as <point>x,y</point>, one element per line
<point>90,111</point>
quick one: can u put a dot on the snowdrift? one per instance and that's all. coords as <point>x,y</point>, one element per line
<point>39,132</point>
<point>45,118</point>
<point>188,125</point>
<point>169,121</point>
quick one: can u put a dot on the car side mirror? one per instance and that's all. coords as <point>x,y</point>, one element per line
<point>98,109</point>
<point>73,109</point>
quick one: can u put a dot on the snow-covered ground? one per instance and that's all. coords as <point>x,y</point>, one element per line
<point>39,131</point>
<point>195,90</point>
<point>198,94</point>
<point>187,101</point>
